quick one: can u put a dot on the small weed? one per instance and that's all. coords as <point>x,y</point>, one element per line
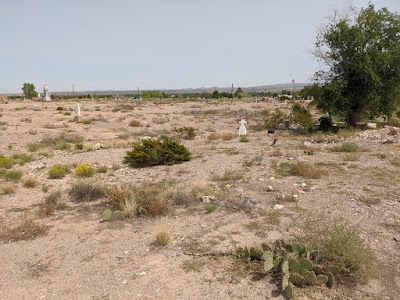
<point>369,200</point>
<point>244,139</point>
<point>297,169</point>
<point>186,133</point>
<point>58,171</point>
<point>23,158</point>
<point>213,136</point>
<point>55,200</point>
<point>79,146</point>
<point>135,123</point>
<point>229,175</point>
<point>162,238</point>
<point>30,182</point>
<point>193,265</point>
<point>87,121</point>
<point>210,207</point>
<point>7,188</point>
<point>102,169</point>
<point>6,162</point>
<point>228,136</point>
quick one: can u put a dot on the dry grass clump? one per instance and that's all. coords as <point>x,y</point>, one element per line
<point>23,158</point>
<point>135,123</point>
<point>27,229</point>
<point>213,136</point>
<point>346,147</point>
<point>161,120</point>
<point>301,169</point>
<point>228,136</point>
<point>369,200</point>
<point>34,147</point>
<point>229,175</point>
<point>67,137</point>
<point>339,244</point>
<point>29,182</point>
<point>13,175</point>
<point>83,190</point>
<point>162,238</point>
<point>122,197</point>
<point>188,194</point>
<point>102,169</point>
<point>55,200</point>
<point>6,162</point>
<point>7,188</point>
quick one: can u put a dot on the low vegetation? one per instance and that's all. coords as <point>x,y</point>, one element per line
<point>84,170</point>
<point>346,147</point>
<point>58,171</point>
<point>84,190</point>
<point>27,229</point>
<point>301,169</point>
<point>161,151</point>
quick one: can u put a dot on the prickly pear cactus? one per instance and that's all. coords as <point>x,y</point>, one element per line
<point>268,258</point>
<point>106,215</point>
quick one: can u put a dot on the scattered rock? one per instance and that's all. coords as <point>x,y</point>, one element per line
<point>372,125</point>
<point>303,184</point>
<point>278,206</point>
<point>258,160</point>
<point>228,186</point>
<point>249,202</point>
<point>270,188</point>
<point>272,178</point>
<point>389,141</point>
<point>393,131</point>
<point>99,146</point>
<point>307,143</point>
<point>295,197</point>
<point>207,199</point>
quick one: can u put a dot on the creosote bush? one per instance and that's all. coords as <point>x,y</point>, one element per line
<point>84,170</point>
<point>13,175</point>
<point>58,171</point>
<point>161,151</point>
<point>6,162</point>
<point>84,190</point>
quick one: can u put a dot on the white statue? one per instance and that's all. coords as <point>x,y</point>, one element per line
<point>242,128</point>
<point>46,96</point>
<point>77,110</point>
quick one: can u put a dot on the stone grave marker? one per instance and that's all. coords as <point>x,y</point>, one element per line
<point>242,128</point>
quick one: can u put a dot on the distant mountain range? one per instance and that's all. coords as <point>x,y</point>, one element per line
<point>263,88</point>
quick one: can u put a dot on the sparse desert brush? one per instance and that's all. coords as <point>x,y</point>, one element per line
<point>210,207</point>
<point>213,136</point>
<point>58,171</point>
<point>186,133</point>
<point>296,169</point>
<point>83,190</point>
<point>346,147</point>
<point>60,145</point>
<point>6,162</point>
<point>162,238</point>
<point>339,244</point>
<point>55,200</point>
<point>228,136</point>
<point>27,229</point>
<point>229,175</point>
<point>29,182</point>
<point>187,194</point>
<point>161,151</point>
<point>244,139</point>
<point>122,198</point>
<point>87,121</point>
<point>84,170</point>
<point>102,169</point>
<point>68,137</point>
<point>135,123</point>
<point>23,158</point>
<point>161,120</point>
<point>13,175</point>
<point>34,147</point>
<point>7,188</point>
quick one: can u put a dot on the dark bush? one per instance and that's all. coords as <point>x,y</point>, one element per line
<point>325,124</point>
<point>152,152</point>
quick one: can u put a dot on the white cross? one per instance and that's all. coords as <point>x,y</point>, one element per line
<point>242,128</point>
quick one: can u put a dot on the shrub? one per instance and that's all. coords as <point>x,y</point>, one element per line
<point>60,145</point>
<point>297,169</point>
<point>102,169</point>
<point>346,147</point>
<point>7,188</point>
<point>122,197</point>
<point>23,158</point>
<point>84,170</point>
<point>27,229</point>
<point>186,133</point>
<point>244,139</point>
<point>210,207</point>
<point>161,151</point>
<point>58,171</point>
<point>135,123</point>
<point>34,147</point>
<point>325,124</point>
<point>30,182</point>
<point>302,116</point>
<point>87,121</point>
<point>85,191</point>
<point>13,175</point>
<point>55,200</point>
<point>6,162</point>
<point>340,244</point>
<point>162,238</point>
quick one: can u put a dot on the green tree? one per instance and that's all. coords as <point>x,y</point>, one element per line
<point>152,94</point>
<point>360,57</point>
<point>29,90</point>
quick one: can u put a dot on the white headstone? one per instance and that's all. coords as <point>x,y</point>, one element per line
<point>242,128</point>
<point>46,96</point>
<point>77,110</point>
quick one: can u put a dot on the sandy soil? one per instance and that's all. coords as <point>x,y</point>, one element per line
<point>83,258</point>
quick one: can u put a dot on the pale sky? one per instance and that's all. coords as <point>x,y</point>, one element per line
<point>160,44</point>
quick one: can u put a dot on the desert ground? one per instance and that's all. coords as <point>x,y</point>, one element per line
<point>80,255</point>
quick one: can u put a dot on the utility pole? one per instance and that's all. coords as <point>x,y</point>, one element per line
<point>232,89</point>
<point>73,91</point>
<point>138,93</point>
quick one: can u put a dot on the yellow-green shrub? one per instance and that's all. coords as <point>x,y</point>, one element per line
<point>84,170</point>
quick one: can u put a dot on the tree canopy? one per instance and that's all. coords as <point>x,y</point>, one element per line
<point>29,90</point>
<point>360,57</point>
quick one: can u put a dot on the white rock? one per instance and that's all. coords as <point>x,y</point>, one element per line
<point>303,184</point>
<point>272,178</point>
<point>307,143</point>
<point>278,206</point>
<point>270,188</point>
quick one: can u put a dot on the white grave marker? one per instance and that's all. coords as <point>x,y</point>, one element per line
<point>77,110</point>
<point>242,128</point>
<point>46,96</point>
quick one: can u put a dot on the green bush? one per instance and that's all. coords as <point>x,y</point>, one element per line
<point>13,175</point>
<point>58,171</point>
<point>186,133</point>
<point>23,158</point>
<point>302,116</point>
<point>6,162</point>
<point>152,152</point>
